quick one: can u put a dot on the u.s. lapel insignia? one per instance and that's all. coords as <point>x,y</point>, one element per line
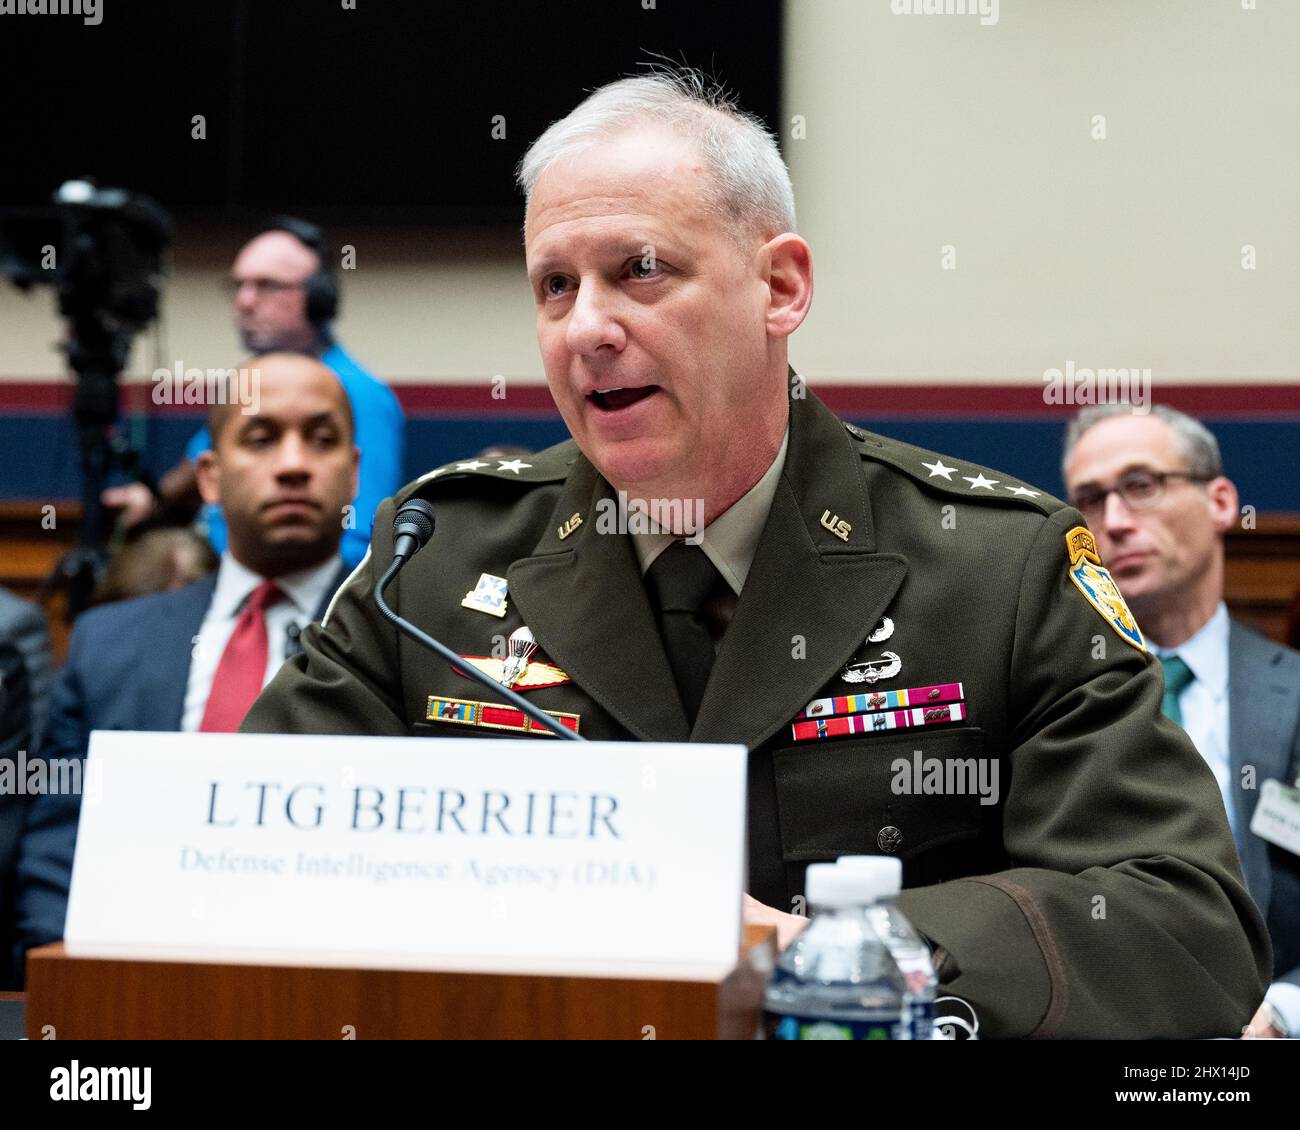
<point>1099,588</point>
<point>837,525</point>
<point>489,596</point>
<point>873,670</point>
<point>571,524</point>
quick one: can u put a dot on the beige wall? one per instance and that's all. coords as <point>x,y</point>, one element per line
<point>921,131</point>
<point>421,304</point>
<point>931,130</point>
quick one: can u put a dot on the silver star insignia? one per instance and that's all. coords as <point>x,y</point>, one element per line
<point>1022,491</point>
<point>511,465</point>
<point>937,468</point>
<point>980,481</point>
<point>474,465</point>
<point>433,474</point>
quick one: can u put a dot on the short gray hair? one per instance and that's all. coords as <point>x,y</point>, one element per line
<point>752,184</point>
<point>1195,442</point>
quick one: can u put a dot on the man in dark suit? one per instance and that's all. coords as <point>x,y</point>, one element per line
<point>24,688</point>
<point>15,741</point>
<point>22,624</point>
<point>1153,490</point>
<point>195,659</point>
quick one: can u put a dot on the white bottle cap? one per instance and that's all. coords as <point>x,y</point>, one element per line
<point>886,872</point>
<point>830,885</point>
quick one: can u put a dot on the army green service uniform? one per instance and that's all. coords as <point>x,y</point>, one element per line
<point>1100,896</point>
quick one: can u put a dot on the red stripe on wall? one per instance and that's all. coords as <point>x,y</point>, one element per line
<point>460,399</point>
<point>966,400</point>
<point>474,399</point>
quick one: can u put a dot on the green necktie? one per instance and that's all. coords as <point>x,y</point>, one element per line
<point>1177,678</point>
<point>679,581</point>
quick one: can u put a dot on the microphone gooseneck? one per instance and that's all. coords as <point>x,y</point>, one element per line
<point>412,528</point>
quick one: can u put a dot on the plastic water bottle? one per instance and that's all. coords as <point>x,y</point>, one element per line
<point>837,980</point>
<point>910,953</point>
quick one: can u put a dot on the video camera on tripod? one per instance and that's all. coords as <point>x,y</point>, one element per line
<point>102,249</point>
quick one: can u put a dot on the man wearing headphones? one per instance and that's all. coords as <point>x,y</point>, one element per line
<point>285,296</point>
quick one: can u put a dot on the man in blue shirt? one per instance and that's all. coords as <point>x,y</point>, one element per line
<point>286,296</point>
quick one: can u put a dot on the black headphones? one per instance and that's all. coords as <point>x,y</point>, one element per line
<point>323,286</point>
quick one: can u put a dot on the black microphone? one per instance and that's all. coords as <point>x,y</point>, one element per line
<point>412,529</point>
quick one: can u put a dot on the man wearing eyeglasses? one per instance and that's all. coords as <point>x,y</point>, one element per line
<point>1154,494</point>
<point>285,295</point>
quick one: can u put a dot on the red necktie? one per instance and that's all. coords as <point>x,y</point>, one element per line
<point>238,680</point>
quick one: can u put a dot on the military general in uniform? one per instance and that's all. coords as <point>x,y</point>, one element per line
<point>714,557</point>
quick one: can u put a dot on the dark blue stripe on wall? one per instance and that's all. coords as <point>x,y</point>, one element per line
<point>39,460</point>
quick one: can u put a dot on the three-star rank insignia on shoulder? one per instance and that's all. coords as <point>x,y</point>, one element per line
<point>1098,587</point>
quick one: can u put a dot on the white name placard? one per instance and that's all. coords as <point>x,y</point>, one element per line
<point>460,853</point>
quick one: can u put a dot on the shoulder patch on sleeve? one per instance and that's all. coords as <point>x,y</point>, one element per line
<point>950,475</point>
<point>1098,587</point>
<point>548,466</point>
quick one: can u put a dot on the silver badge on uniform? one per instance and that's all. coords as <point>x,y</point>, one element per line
<point>521,647</point>
<point>882,633</point>
<point>873,670</point>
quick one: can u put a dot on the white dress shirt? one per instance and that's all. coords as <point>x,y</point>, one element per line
<point>305,591</point>
<point>1204,701</point>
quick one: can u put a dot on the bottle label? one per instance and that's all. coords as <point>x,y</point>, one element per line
<point>922,1021</point>
<point>819,1028</point>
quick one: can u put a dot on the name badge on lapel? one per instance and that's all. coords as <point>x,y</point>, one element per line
<point>1277,816</point>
